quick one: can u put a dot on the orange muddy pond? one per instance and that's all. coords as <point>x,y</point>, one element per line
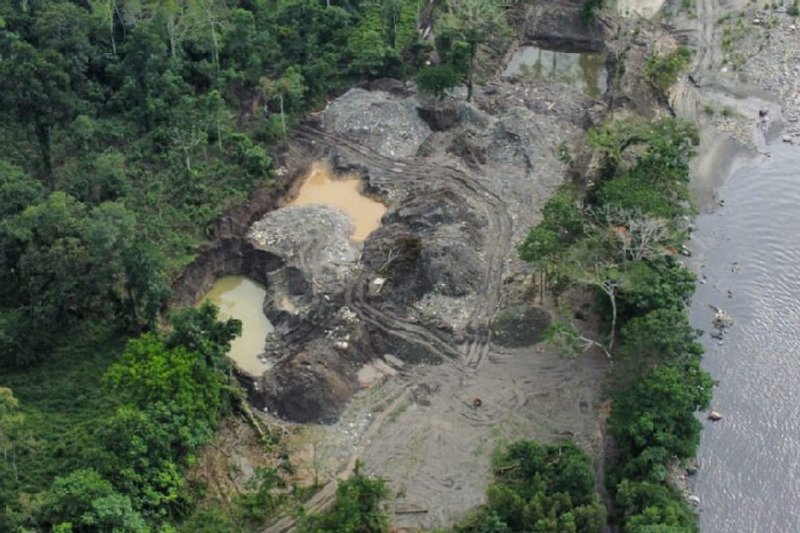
<point>322,186</point>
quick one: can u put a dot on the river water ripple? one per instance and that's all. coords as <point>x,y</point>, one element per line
<point>749,478</point>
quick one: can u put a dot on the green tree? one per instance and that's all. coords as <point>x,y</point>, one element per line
<point>437,80</point>
<point>245,48</point>
<point>35,87</point>
<point>17,190</point>
<point>151,87</point>
<point>653,419</point>
<point>65,27</point>
<point>662,336</point>
<point>373,54</point>
<point>648,507</point>
<point>540,488</point>
<point>174,383</point>
<point>357,508</point>
<point>563,223</point>
<point>71,263</point>
<point>51,261</point>
<point>474,22</point>
<point>288,90</point>
<point>139,456</point>
<point>12,437</point>
<point>83,501</point>
<point>199,329</point>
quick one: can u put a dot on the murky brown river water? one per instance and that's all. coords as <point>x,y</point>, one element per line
<point>323,187</point>
<point>749,480</point>
<point>242,298</point>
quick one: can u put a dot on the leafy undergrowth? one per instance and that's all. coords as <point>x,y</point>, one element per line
<point>61,401</point>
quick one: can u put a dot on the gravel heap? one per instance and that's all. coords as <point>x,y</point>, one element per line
<point>389,124</point>
<point>315,238</point>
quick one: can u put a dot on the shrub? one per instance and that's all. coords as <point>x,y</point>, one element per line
<point>540,488</point>
<point>663,70</point>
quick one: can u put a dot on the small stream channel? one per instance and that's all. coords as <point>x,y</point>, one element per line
<point>749,476</point>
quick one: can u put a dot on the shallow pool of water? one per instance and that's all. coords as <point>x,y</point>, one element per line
<point>242,298</point>
<point>749,477</point>
<point>322,186</point>
<point>586,71</point>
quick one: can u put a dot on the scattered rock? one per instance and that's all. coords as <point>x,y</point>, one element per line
<point>694,500</point>
<point>376,285</point>
<point>714,416</point>
<point>342,346</point>
<point>722,321</point>
<point>347,315</point>
<point>393,361</point>
<point>385,122</point>
<point>314,238</point>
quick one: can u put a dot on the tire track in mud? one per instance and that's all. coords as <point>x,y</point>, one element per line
<point>496,245</point>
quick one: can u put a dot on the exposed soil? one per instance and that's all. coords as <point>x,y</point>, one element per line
<point>420,347</point>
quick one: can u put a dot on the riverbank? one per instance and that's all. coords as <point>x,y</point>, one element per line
<point>748,72</point>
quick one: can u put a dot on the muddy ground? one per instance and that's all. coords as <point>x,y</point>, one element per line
<point>462,188</point>
<point>418,351</point>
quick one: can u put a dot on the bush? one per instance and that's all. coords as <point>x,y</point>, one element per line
<point>84,501</point>
<point>653,419</point>
<point>662,71</point>
<point>437,80</point>
<point>540,488</point>
<point>648,507</point>
<point>358,507</point>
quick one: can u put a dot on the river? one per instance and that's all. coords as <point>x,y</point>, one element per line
<point>749,476</point>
